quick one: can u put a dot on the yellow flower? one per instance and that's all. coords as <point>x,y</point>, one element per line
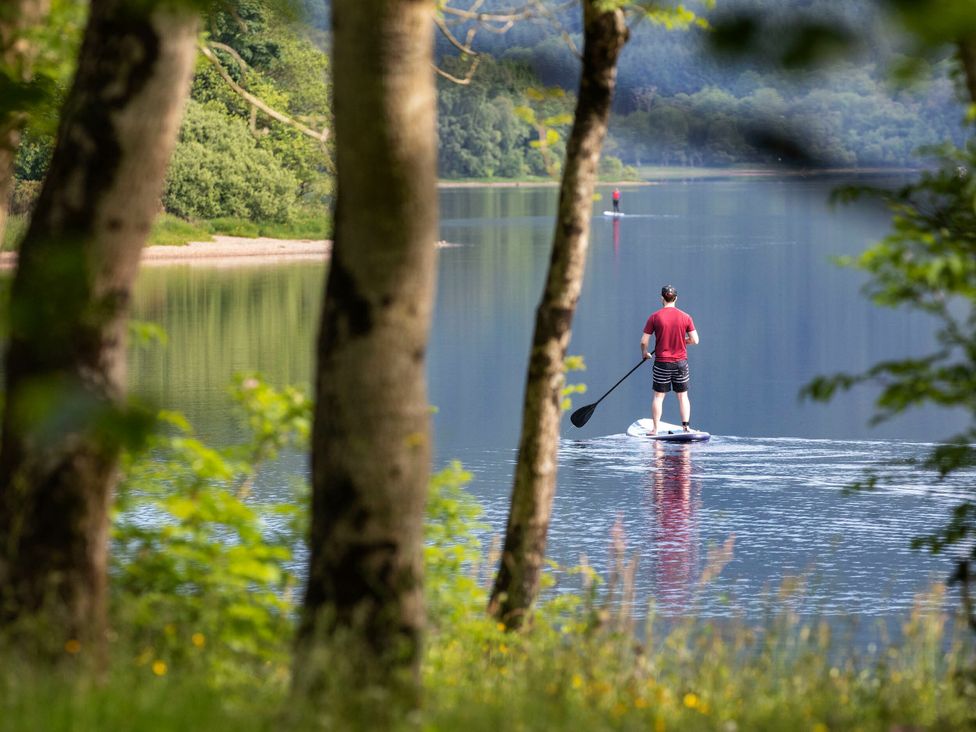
<point>691,700</point>
<point>640,702</point>
<point>500,627</point>
<point>820,727</point>
<point>198,640</point>
<point>72,646</point>
<point>577,681</point>
<point>159,668</point>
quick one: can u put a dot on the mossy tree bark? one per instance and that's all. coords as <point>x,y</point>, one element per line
<point>16,61</point>
<point>517,579</point>
<point>371,451</point>
<point>65,362</point>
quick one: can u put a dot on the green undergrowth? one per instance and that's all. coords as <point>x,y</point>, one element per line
<point>169,230</point>
<point>12,233</point>
<point>205,600</point>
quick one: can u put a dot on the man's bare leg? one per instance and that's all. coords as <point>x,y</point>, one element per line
<point>684,406</point>
<point>657,406</point>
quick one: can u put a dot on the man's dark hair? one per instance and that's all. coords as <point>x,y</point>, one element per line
<point>669,293</point>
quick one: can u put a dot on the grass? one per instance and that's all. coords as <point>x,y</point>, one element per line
<point>170,230</point>
<point>575,670</point>
<point>15,229</point>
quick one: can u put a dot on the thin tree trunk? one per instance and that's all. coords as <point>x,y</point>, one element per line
<point>16,60</point>
<point>371,451</point>
<point>65,364</point>
<point>517,580</point>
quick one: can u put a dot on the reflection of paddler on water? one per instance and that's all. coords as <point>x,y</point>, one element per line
<point>676,497</point>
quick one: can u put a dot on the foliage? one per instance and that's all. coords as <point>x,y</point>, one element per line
<point>305,223</point>
<point>15,229</point>
<point>34,84</point>
<point>218,170</point>
<point>201,574</point>
<point>928,263</point>
<point>572,363</point>
<point>280,61</point>
<point>577,666</point>
<point>480,130</point>
<point>858,124</point>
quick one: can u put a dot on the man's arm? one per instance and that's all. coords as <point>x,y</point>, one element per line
<point>691,338</point>
<point>645,340</point>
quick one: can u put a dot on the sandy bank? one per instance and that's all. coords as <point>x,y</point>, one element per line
<point>237,250</point>
<point>229,251</point>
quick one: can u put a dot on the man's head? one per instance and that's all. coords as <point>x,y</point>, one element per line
<point>668,293</point>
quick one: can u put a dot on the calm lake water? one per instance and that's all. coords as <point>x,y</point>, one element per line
<point>751,262</point>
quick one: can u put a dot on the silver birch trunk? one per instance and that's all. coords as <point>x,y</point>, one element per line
<point>65,363</point>
<point>371,436</point>
<point>523,553</point>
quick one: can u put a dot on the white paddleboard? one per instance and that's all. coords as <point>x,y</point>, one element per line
<point>612,214</point>
<point>665,432</point>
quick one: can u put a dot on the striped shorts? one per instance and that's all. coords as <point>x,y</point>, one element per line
<point>671,374</point>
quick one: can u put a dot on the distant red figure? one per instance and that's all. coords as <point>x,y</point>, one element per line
<point>616,200</point>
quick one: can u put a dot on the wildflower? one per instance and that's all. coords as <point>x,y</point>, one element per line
<point>820,727</point>
<point>72,646</point>
<point>500,627</point>
<point>160,668</point>
<point>691,700</point>
<point>577,681</point>
<point>198,640</point>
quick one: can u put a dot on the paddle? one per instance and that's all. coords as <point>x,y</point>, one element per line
<point>582,415</point>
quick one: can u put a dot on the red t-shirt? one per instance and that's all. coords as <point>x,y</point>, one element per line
<point>669,326</point>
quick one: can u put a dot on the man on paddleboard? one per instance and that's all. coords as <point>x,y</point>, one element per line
<point>616,200</point>
<point>673,331</point>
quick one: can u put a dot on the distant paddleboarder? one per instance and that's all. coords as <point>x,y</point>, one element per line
<point>673,331</point>
<point>616,200</point>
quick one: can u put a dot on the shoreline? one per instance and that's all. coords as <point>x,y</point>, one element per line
<point>229,251</point>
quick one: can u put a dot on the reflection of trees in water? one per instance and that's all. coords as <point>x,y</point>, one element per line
<point>676,495</point>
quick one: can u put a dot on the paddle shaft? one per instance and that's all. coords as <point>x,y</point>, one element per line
<point>621,381</point>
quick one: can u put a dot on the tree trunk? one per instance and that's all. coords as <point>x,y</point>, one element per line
<point>967,58</point>
<point>371,451</point>
<point>16,61</point>
<point>517,580</point>
<point>65,363</point>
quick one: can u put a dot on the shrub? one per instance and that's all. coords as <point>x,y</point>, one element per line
<point>218,170</point>
<point>24,196</point>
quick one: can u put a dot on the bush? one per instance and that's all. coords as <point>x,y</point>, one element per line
<point>24,196</point>
<point>218,170</point>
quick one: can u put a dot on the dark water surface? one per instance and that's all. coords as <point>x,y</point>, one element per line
<point>751,262</point>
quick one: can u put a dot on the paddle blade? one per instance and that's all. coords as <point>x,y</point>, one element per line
<point>582,415</point>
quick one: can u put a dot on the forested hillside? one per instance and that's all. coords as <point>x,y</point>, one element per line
<point>255,142</point>
<point>679,104</point>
